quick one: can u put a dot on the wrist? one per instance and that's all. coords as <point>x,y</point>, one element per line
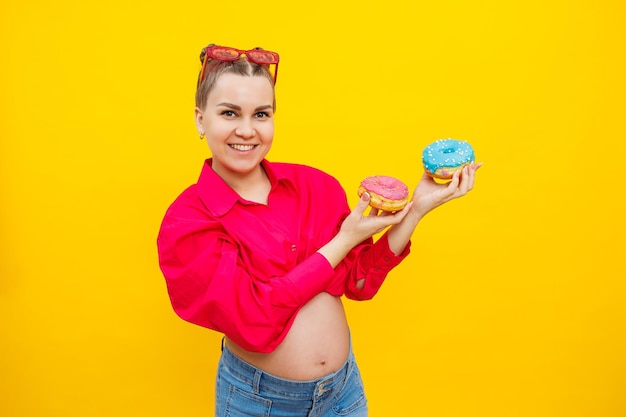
<point>336,249</point>
<point>415,215</point>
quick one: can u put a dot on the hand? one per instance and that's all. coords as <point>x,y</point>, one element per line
<point>429,194</point>
<point>358,226</point>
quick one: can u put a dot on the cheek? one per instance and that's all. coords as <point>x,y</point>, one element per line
<point>268,132</point>
<point>218,130</point>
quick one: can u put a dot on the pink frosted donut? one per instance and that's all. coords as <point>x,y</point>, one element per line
<point>386,193</point>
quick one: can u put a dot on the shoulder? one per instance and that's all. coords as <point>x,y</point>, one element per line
<point>187,204</point>
<point>188,220</point>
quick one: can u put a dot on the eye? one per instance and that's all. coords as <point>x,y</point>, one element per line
<point>228,113</point>
<point>262,115</point>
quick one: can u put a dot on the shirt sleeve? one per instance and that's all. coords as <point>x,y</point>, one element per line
<point>209,285</point>
<point>371,262</point>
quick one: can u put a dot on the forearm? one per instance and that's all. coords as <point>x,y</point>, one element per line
<point>400,234</point>
<point>336,250</point>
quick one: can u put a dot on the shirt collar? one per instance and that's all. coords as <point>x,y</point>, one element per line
<point>219,197</point>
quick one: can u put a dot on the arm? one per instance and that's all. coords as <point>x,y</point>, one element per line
<point>210,286</point>
<point>357,228</point>
<point>214,282</point>
<point>368,265</point>
<point>362,264</point>
<point>427,196</point>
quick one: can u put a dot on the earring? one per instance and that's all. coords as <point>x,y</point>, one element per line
<point>201,135</point>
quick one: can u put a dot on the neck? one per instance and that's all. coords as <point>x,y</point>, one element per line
<point>253,186</point>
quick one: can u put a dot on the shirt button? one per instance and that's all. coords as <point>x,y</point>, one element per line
<point>293,248</point>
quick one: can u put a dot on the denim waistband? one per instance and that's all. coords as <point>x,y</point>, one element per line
<point>260,380</point>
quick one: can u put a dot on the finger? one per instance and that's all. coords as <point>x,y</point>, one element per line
<point>362,205</point>
<point>453,185</point>
<point>472,175</point>
<point>465,180</point>
<point>387,218</point>
<point>374,212</point>
<point>399,215</point>
<point>449,191</point>
<point>384,222</point>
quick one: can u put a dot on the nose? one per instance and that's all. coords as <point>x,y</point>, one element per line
<point>245,130</point>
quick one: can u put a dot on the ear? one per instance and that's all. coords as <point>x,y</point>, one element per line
<point>198,115</point>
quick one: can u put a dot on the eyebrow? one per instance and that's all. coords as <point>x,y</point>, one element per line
<point>236,107</point>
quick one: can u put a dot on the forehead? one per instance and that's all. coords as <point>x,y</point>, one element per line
<point>241,87</point>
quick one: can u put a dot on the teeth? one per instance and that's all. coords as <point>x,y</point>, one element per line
<point>242,147</point>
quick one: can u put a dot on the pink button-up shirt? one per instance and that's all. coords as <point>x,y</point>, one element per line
<point>245,269</point>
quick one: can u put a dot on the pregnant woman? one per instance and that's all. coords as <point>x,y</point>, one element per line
<point>263,251</point>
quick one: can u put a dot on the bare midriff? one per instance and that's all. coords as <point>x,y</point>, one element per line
<point>317,344</point>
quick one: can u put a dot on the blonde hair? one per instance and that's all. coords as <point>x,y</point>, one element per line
<point>214,69</point>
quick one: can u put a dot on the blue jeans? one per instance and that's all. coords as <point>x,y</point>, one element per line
<point>244,390</point>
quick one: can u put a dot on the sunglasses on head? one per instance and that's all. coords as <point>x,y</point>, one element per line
<point>228,54</point>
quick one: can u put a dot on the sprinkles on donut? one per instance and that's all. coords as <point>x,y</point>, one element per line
<point>444,157</point>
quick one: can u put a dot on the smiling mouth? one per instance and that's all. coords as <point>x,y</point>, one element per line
<point>242,148</point>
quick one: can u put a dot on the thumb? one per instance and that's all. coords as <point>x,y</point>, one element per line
<point>364,202</point>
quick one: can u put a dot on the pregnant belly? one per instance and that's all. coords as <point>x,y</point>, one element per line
<point>316,345</point>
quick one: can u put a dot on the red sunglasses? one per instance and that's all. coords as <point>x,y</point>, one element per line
<point>227,54</point>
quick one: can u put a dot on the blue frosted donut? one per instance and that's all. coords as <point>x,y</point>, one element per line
<point>444,157</point>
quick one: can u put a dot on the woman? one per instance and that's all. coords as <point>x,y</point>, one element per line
<point>263,251</point>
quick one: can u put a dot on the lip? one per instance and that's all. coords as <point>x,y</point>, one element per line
<point>242,147</point>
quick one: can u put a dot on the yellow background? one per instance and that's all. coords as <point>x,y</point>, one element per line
<point>513,301</point>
